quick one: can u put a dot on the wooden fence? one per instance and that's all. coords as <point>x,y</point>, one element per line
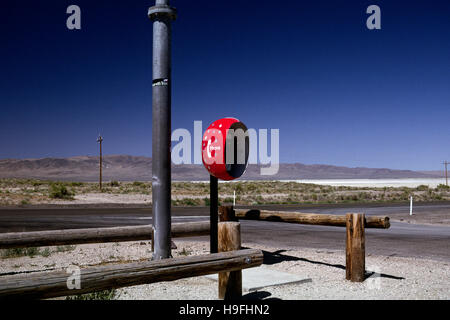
<point>355,224</point>
<point>49,284</point>
<point>41,285</point>
<point>96,235</point>
<point>228,262</point>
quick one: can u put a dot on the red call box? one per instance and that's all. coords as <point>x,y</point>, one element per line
<point>222,137</point>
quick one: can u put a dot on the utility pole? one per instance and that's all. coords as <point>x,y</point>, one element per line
<point>446,176</point>
<point>162,15</point>
<point>100,140</point>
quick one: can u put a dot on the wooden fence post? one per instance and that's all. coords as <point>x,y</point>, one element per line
<point>230,283</point>
<point>227,213</point>
<point>355,248</point>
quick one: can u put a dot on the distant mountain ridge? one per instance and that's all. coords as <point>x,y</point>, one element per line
<point>138,168</point>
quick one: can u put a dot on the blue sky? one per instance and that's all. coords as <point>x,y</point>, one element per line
<point>339,93</point>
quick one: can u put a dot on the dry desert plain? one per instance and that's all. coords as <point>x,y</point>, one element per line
<point>391,277</point>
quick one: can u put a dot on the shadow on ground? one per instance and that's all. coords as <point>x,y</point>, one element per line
<point>275,257</point>
<point>259,295</point>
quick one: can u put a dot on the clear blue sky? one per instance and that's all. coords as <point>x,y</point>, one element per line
<point>339,93</point>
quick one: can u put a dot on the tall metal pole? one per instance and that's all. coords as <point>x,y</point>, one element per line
<point>100,140</point>
<point>162,15</point>
<point>213,213</point>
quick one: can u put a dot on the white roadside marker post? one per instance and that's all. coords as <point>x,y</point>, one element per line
<point>410,206</point>
<point>234,198</point>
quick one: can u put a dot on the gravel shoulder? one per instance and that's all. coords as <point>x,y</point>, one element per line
<point>392,277</point>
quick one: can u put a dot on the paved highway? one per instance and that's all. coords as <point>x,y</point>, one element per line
<point>402,239</point>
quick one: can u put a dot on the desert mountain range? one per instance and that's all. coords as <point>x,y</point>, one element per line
<point>138,168</point>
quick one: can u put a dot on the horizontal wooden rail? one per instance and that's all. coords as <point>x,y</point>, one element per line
<point>96,235</point>
<point>309,218</point>
<point>55,283</point>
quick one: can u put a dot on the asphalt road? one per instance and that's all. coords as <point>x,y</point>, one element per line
<point>402,239</point>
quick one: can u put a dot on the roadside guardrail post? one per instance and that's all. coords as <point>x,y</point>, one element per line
<point>227,213</point>
<point>355,247</point>
<point>230,283</point>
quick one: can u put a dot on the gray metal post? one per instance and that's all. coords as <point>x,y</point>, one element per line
<point>161,14</point>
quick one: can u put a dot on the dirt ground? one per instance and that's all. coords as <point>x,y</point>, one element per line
<point>390,277</point>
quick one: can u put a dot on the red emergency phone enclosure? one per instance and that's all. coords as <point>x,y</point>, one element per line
<point>222,134</point>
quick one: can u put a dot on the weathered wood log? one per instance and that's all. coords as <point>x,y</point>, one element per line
<point>309,218</point>
<point>96,235</point>
<point>55,283</point>
<point>230,283</point>
<point>355,248</point>
<point>190,229</point>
